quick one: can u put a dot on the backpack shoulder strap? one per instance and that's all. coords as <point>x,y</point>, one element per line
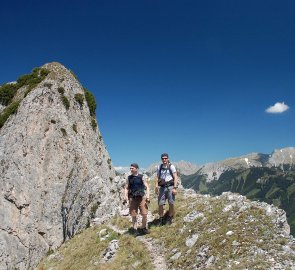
<point>160,168</point>
<point>170,170</point>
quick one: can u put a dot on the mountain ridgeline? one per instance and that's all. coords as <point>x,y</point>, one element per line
<point>268,178</point>
<point>58,187</point>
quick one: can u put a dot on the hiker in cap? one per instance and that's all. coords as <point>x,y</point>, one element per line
<point>166,185</point>
<point>137,193</point>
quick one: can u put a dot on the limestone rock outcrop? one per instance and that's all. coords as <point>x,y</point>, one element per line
<point>55,171</point>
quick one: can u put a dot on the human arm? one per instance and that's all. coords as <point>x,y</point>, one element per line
<point>126,188</point>
<point>175,180</point>
<point>147,190</point>
<point>157,182</point>
<point>174,191</point>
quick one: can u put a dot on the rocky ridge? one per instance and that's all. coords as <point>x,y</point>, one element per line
<point>56,173</point>
<point>208,232</point>
<point>282,158</point>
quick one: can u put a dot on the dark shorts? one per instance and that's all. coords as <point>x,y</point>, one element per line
<point>138,203</point>
<point>165,193</point>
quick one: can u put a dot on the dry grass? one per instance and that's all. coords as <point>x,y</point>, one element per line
<point>85,250</point>
<point>251,228</point>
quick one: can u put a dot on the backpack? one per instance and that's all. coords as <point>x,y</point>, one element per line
<point>136,185</point>
<point>161,183</point>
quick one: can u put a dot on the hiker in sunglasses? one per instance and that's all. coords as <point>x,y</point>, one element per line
<point>137,193</point>
<point>166,185</point>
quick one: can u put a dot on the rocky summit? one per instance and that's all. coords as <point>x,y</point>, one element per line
<point>55,171</point>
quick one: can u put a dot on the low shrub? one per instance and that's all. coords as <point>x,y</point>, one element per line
<point>65,102</point>
<point>93,123</point>
<point>80,99</point>
<point>37,76</point>
<point>7,92</point>
<point>90,99</point>
<point>61,90</point>
<point>11,109</point>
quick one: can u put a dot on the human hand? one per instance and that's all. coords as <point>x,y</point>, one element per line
<point>157,190</point>
<point>174,191</point>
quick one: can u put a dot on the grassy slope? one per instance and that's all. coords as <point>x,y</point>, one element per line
<point>252,229</point>
<point>275,187</point>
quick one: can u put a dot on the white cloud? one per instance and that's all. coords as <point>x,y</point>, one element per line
<point>279,107</point>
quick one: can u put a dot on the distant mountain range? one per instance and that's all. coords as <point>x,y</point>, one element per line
<point>263,177</point>
<point>184,168</point>
<point>278,158</point>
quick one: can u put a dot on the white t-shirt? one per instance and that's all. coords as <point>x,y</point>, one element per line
<point>165,173</point>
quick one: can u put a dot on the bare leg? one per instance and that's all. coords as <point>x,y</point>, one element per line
<point>134,223</point>
<point>171,210</point>
<point>144,221</point>
<point>161,210</point>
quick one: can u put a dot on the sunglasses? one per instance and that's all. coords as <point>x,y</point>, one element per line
<point>164,158</point>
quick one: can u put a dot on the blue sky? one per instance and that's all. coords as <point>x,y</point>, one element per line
<point>191,78</point>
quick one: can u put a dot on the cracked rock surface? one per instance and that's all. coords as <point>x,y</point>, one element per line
<point>55,171</point>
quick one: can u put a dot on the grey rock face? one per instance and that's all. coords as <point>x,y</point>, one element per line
<point>55,172</point>
<point>282,156</point>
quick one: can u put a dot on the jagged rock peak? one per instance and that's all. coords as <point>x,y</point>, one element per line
<point>56,173</point>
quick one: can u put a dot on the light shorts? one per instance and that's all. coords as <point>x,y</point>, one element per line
<point>138,203</point>
<point>165,193</point>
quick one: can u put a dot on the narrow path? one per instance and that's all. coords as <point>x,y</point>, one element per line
<point>116,229</point>
<point>155,251</point>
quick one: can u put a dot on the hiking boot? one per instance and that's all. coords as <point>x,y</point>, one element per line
<point>162,221</point>
<point>133,232</point>
<point>169,220</point>
<point>144,231</point>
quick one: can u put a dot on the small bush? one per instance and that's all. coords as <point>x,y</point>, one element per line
<point>44,72</point>
<point>80,99</point>
<point>93,123</point>
<point>66,102</point>
<point>33,79</point>
<point>7,92</point>
<point>90,99</point>
<point>11,109</point>
<point>61,90</point>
